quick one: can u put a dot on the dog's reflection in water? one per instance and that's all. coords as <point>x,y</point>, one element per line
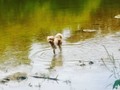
<point>56,61</point>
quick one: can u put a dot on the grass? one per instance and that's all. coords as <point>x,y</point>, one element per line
<point>115,69</point>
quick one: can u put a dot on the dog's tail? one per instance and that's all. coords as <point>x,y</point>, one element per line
<point>59,36</point>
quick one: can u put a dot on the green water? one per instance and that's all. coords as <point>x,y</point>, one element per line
<point>23,22</point>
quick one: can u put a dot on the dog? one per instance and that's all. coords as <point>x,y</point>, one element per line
<point>55,41</point>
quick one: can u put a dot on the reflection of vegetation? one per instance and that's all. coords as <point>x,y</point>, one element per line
<point>75,6</point>
<point>81,36</point>
<point>56,14</point>
<point>104,16</point>
<point>27,20</point>
<point>12,10</point>
<point>14,45</point>
<point>22,11</point>
<point>24,21</point>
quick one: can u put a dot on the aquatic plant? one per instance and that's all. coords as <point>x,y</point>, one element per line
<point>115,69</point>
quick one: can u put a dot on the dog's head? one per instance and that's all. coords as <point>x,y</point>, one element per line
<point>50,39</point>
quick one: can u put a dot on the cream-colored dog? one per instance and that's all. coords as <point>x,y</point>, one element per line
<point>55,41</point>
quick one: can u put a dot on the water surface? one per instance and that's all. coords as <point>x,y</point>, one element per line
<point>85,25</point>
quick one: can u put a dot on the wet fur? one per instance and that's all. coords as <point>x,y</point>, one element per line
<point>55,41</point>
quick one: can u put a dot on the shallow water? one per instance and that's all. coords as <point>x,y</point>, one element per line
<point>67,66</point>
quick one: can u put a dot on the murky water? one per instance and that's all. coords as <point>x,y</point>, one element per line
<point>86,26</point>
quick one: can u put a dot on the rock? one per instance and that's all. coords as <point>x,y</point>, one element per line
<point>91,62</point>
<point>82,64</point>
<point>18,76</point>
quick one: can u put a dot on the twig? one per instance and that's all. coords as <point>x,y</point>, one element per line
<point>108,53</point>
<point>55,79</point>
<point>105,65</point>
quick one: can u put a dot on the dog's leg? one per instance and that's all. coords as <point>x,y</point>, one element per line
<point>53,47</point>
<point>58,41</point>
<point>60,48</point>
<point>54,51</point>
<point>59,45</point>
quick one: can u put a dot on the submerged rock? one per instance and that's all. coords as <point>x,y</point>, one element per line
<point>18,76</point>
<point>91,62</point>
<point>82,64</point>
